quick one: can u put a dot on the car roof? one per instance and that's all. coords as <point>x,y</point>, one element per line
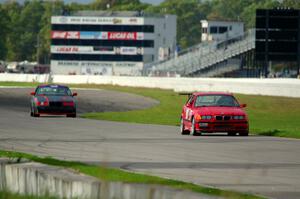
<point>212,93</point>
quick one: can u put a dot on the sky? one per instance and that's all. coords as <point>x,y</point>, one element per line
<point>87,1</point>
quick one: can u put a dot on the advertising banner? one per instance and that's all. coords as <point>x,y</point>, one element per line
<point>97,20</point>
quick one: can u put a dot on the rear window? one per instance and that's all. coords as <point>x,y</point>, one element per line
<point>53,90</point>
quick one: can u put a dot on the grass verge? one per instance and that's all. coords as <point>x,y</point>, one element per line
<point>111,174</point>
<point>8,195</point>
<point>268,115</point>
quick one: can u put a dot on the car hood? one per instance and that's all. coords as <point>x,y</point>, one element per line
<point>220,111</point>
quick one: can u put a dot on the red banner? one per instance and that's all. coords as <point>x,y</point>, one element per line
<point>122,35</point>
<point>65,35</point>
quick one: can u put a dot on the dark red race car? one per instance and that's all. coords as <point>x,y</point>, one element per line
<point>53,100</point>
<point>209,112</point>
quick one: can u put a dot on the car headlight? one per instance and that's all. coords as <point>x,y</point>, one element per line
<point>238,117</point>
<point>206,117</point>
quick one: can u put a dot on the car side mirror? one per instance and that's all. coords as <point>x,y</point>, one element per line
<point>243,105</point>
<point>74,94</point>
<point>32,93</point>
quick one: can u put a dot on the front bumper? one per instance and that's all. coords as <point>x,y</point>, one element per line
<point>56,110</point>
<point>232,126</point>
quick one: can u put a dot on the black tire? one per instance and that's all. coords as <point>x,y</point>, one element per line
<point>231,133</point>
<point>193,130</point>
<point>34,114</point>
<point>246,133</point>
<point>182,127</point>
<point>72,115</point>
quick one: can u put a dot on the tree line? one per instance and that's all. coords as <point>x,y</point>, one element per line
<point>25,28</point>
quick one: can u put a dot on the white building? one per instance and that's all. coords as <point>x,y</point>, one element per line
<point>221,30</point>
<point>110,43</point>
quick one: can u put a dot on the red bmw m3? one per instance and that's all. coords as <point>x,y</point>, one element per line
<point>209,112</point>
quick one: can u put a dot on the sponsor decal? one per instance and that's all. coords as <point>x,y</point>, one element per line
<point>90,35</point>
<point>63,19</point>
<point>128,50</point>
<point>73,35</point>
<point>117,21</point>
<point>133,20</point>
<point>58,34</point>
<point>65,35</point>
<point>66,49</point>
<point>122,35</point>
<point>103,48</point>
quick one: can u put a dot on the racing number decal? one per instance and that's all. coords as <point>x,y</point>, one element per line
<point>188,114</point>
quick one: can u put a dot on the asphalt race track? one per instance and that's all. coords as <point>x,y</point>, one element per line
<point>264,165</point>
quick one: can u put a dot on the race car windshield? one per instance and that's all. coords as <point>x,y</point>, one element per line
<point>61,91</point>
<point>216,100</point>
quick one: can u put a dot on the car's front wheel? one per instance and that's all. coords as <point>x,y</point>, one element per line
<point>193,128</point>
<point>245,133</point>
<point>231,133</point>
<point>72,115</point>
<point>182,128</point>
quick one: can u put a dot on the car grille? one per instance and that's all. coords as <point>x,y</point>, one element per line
<point>55,104</point>
<point>223,117</point>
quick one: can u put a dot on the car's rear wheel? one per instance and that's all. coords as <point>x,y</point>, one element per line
<point>182,128</point>
<point>193,129</point>
<point>36,114</point>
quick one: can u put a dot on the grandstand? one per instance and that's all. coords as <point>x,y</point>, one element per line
<point>208,59</point>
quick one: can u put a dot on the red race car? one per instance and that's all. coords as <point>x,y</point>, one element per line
<point>208,112</point>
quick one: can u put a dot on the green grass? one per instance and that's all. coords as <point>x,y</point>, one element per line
<point>8,195</point>
<point>110,174</point>
<point>271,116</point>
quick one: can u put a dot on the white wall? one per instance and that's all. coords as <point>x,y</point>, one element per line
<point>273,87</point>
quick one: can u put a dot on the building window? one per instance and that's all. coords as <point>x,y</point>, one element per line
<point>213,30</point>
<point>204,30</point>
<point>230,27</point>
<point>223,29</point>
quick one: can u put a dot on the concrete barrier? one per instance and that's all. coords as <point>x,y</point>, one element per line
<point>272,87</point>
<point>37,179</point>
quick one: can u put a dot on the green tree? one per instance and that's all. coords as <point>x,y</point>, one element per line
<point>4,26</point>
